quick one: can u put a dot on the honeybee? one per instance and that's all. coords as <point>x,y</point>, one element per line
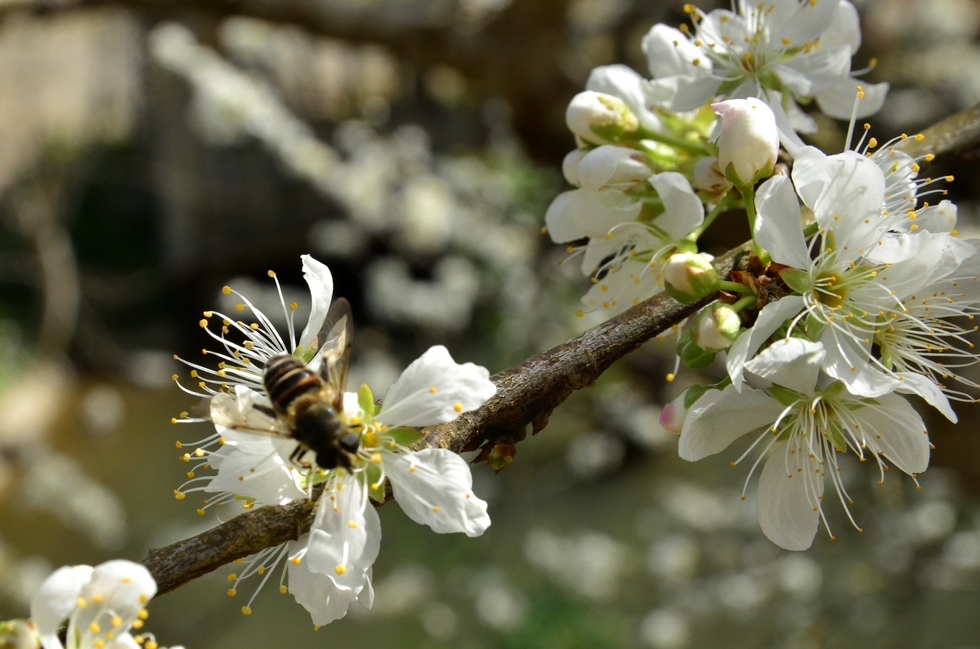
<point>309,403</point>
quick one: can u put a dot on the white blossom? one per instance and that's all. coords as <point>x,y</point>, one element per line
<point>100,605</point>
<point>807,421</point>
<point>748,141</point>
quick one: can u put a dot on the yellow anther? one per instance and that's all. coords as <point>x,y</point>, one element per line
<point>239,307</point>
<point>94,627</point>
<point>204,323</point>
<point>376,457</point>
<point>142,614</point>
<point>435,508</point>
<point>340,569</point>
<point>80,602</point>
<point>458,407</point>
<point>246,610</point>
<point>352,524</point>
<point>232,592</point>
<point>432,389</point>
<point>295,561</point>
<point>283,590</point>
<point>116,621</point>
<point>200,512</point>
<point>271,274</point>
<point>178,495</point>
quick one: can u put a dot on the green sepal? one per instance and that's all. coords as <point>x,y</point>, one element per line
<point>784,396</point>
<point>798,280</point>
<point>365,400</point>
<point>833,391</point>
<point>402,436</point>
<point>814,326</point>
<point>695,392</point>
<point>830,241</point>
<point>375,485</point>
<point>837,437</point>
<point>691,355</point>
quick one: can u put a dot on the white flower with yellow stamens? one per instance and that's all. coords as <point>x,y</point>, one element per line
<point>100,605</point>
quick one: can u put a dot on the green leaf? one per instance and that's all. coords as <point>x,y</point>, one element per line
<point>798,280</point>
<point>376,486</point>
<point>695,392</point>
<point>401,436</point>
<point>365,399</point>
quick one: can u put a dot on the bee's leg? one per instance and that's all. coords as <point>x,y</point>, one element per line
<point>350,442</point>
<point>265,410</point>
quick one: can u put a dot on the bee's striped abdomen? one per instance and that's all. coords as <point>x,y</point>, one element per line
<point>286,378</point>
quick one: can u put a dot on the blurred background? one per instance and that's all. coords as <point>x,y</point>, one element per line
<point>153,151</point>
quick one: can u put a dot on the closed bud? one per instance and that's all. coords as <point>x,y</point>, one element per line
<point>708,178</point>
<point>674,414</point>
<point>715,327</point>
<point>612,166</point>
<point>748,142</point>
<point>690,276</point>
<point>599,118</point>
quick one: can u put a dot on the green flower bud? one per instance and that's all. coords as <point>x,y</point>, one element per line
<point>690,276</point>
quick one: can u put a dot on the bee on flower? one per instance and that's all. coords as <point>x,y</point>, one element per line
<point>275,405</point>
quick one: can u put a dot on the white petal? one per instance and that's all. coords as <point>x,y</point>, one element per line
<point>787,133</point>
<point>844,30</point>
<point>682,92</point>
<point>770,318</point>
<point>807,74</point>
<point>684,211</point>
<point>317,593</point>
<point>610,165</point>
<point>846,192</point>
<point>669,53</point>
<point>801,22</point>
<point>848,361</point>
<point>721,416</point>
<point>581,213</point>
<point>791,362</point>
<point>346,534</point>
<point>778,228</point>
<point>838,100</point>
<point>435,389</point>
<point>896,430</point>
<point>56,599</point>
<point>926,388</point>
<point>788,498</point>
<point>435,487</point>
<point>320,281</point>
<point>124,586</point>
<point>256,469</point>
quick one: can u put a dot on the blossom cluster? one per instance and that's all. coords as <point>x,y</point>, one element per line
<point>251,457</point>
<point>857,291</point>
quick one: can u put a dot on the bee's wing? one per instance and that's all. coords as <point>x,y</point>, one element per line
<point>257,420</point>
<point>337,335</point>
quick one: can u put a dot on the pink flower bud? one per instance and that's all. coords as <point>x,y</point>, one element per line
<point>748,142</point>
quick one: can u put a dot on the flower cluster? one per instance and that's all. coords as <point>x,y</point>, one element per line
<point>857,291</point>
<point>330,567</point>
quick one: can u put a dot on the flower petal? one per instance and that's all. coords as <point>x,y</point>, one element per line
<point>623,82</point>
<point>56,599</point>
<point>771,317</point>
<point>913,383</point>
<point>317,593</point>
<point>807,74</point>
<point>346,534</point>
<point>778,228</point>
<point>256,468</point>
<point>684,211</point>
<point>721,416</point>
<point>435,487</point>
<point>669,53</point>
<point>320,281</point>
<point>895,430</point>
<point>788,500</point>
<point>435,389</point>
<point>838,100</point>
<point>791,362</point>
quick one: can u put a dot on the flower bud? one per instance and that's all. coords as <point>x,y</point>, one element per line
<point>599,118</point>
<point>748,143</point>
<point>610,166</point>
<point>715,327</point>
<point>708,179</point>
<point>690,276</point>
<point>570,165</point>
<point>674,414</point>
